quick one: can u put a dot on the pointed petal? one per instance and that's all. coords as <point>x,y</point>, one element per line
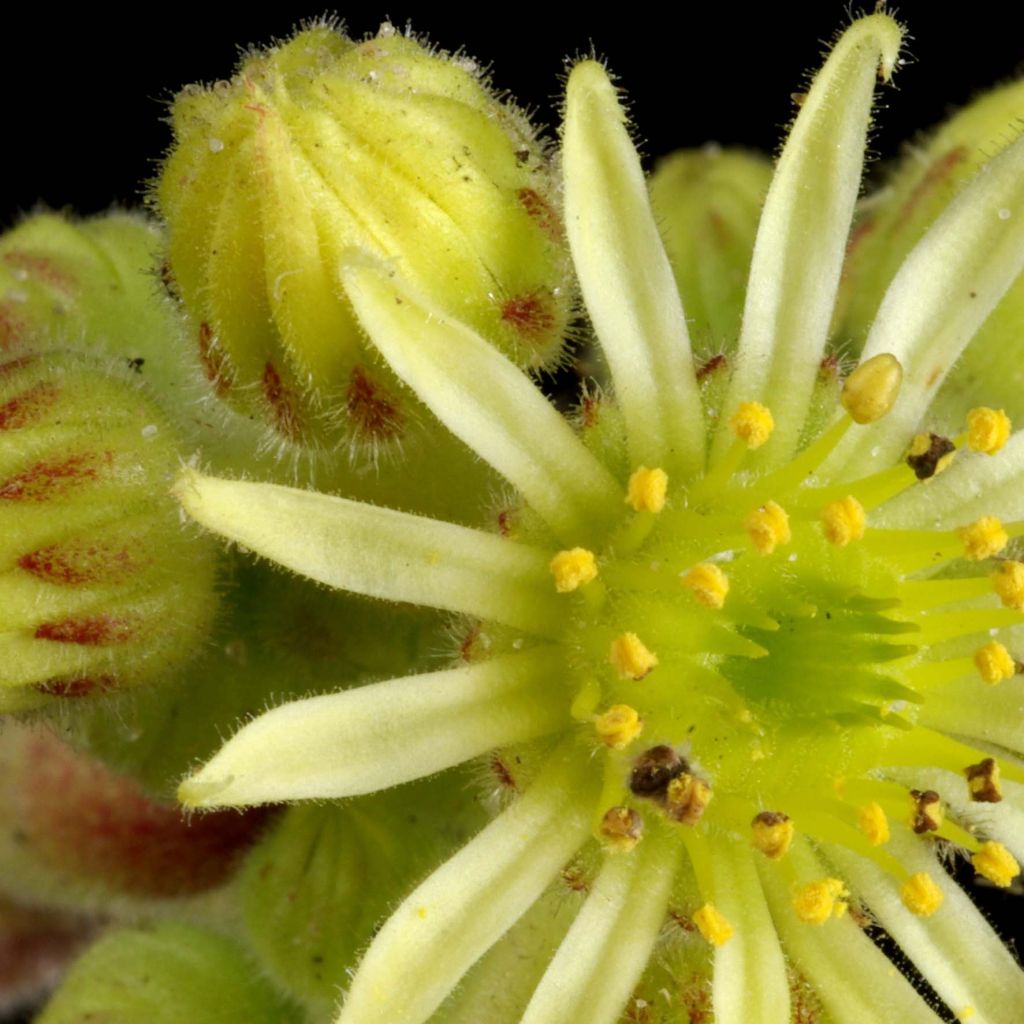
<point>749,983</point>
<point>626,279</point>
<point>486,401</point>
<point>379,552</point>
<point>971,708</point>
<point>801,242</point>
<point>600,961</point>
<point>855,981</point>
<point>373,737</point>
<point>955,949</point>
<point>940,296</point>
<point>465,906</point>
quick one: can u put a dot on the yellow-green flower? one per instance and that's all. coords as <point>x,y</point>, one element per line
<point>744,674</point>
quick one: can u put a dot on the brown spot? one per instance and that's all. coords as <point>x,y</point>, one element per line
<point>468,645</point>
<point>939,170</point>
<point>530,315</point>
<point>43,269</point>
<point>828,368</point>
<point>77,562</point>
<point>214,361</point>
<point>680,920</point>
<point>46,481</point>
<point>168,280</point>
<point>80,686</point>
<point>12,324</point>
<point>508,522</point>
<point>502,772</point>
<point>860,231</point>
<point>591,411</point>
<point>637,1012</point>
<point>13,365</point>
<point>654,769</point>
<point>928,814</point>
<point>542,212</point>
<point>696,998</point>
<point>373,412</point>
<point>934,377</point>
<point>709,366</point>
<point>279,398</point>
<point>576,878</point>
<point>28,407</point>
<point>926,464</point>
<point>89,630</point>
<point>983,782</point>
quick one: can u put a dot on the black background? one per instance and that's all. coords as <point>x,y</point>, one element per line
<point>80,121</point>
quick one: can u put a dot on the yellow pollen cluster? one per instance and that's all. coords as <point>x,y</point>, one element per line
<point>572,569</point>
<point>618,726</point>
<point>983,539</point>
<point>871,390</point>
<point>995,862</point>
<point>647,489</point>
<point>713,925</point>
<point>708,583</point>
<point>630,657</point>
<point>983,782</point>
<point>925,445</point>
<point>686,798</point>
<point>843,521</point>
<point>873,823</point>
<point>921,895</point>
<point>987,430</point>
<point>768,527</point>
<point>994,662</point>
<point>772,834</point>
<point>1008,583</point>
<point>817,901</point>
<point>752,423</point>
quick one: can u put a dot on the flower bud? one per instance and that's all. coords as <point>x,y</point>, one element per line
<point>102,588</point>
<point>894,221</point>
<point>323,145</point>
<point>708,204</point>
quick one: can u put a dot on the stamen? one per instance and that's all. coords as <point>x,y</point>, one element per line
<point>872,389</point>
<point>710,585</point>
<point>647,490</point>
<point>983,782</point>
<point>773,833</point>
<point>873,823</point>
<point>618,726</point>
<point>621,828</point>
<point>995,862</point>
<point>983,539</point>
<point>630,657</point>
<point>686,798</point>
<point>713,925</point>
<point>1008,583</point>
<point>994,662</point>
<point>987,430</point>
<point>573,569</point>
<point>752,423</point>
<point>930,455</point>
<point>817,901</point>
<point>843,521</point>
<point>654,769</point>
<point>768,527</point>
<point>928,814</point>
<point>921,895</point>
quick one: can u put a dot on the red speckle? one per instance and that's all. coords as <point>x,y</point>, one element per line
<point>575,878</point>
<point>857,235</point>
<point>279,398</point>
<point>542,212</point>
<point>373,413</point>
<point>468,643</point>
<point>530,315</point>
<point>12,325</point>
<point>502,772</point>
<point>77,562</point>
<point>13,365</point>
<point>80,686</point>
<point>170,282</point>
<point>681,921</point>
<point>89,630</point>
<point>43,269</point>
<point>697,1000</point>
<point>28,407</point>
<point>591,411</point>
<point>46,481</point>
<point>828,369</point>
<point>214,361</point>
<point>710,366</point>
<point>939,170</point>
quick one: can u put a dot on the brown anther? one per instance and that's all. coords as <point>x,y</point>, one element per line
<point>983,782</point>
<point>621,828</point>
<point>927,452</point>
<point>928,813</point>
<point>654,769</point>
<point>686,798</point>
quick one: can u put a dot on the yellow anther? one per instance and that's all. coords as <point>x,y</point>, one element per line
<point>994,662</point>
<point>713,925</point>
<point>686,798</point>
<point>752,423</point>
<point>987,430</point>
<point>983,782</point>
<point>573,568</point>
<point>930,454</point>
<point>708,583</point>
<point>647,490</point>
<point>618,726</point>
<point>817,901</point>
<point>1008,583</point>
<point>928,813</point>
<point>630,657</point>
<point>983,539</point>
<point>768,527</point>
<point>871,390</point>
<point>995,862</point>
<point>921,895</point>
<point>873,823</point>
<point>621,828</point>
<point>772,833</point>
<point>921,445</point>
<point>843,521</point>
